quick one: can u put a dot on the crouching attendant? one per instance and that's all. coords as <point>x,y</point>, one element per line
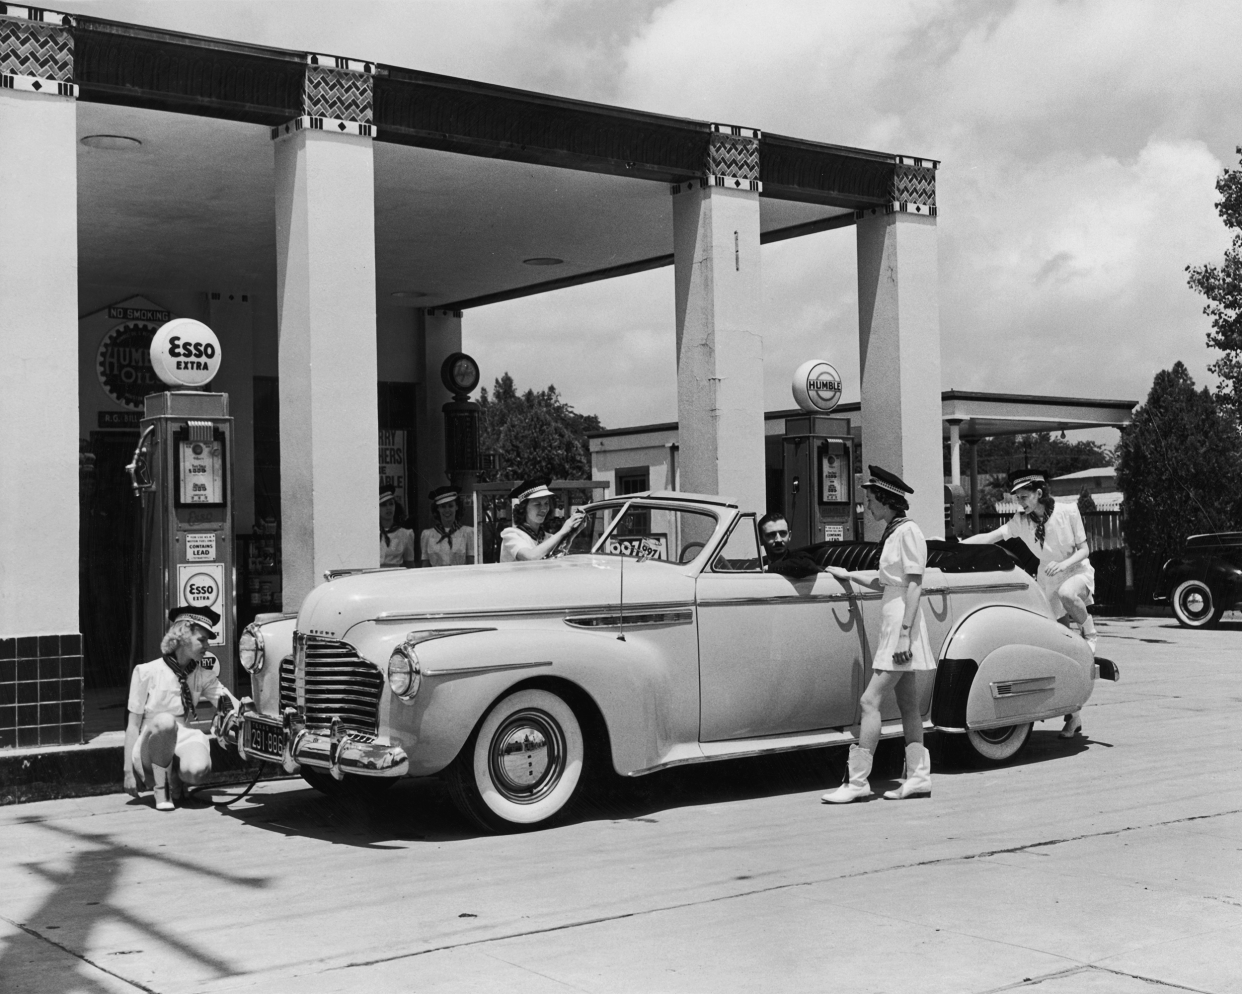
<point>902,648</point>
<point>161,751</point>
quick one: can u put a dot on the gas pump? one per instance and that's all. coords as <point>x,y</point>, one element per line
<point>183,471</point>
<point>819,480</point>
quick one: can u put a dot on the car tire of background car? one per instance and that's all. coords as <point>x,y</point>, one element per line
<point>992,746</point>
<point>1195,606</point>
<point>352,788</point>
<point>522,765</point>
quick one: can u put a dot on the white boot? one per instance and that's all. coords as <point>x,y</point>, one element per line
<point>162,788</point>
<point>1089,633</point>
<point>1073,725</point>
<point>855,785</point>
<point>918,774</point>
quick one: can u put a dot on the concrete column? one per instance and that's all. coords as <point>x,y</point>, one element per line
<point>899,349</point>
<point>325,247</point>
<point>719,342</point>
<point>230,316</point>
<point>442,330</point>
<point>38,363</point>
<point>955,453</point>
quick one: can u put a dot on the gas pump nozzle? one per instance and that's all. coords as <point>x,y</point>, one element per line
<point>139,468</point>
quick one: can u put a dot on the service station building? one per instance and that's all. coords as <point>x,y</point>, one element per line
<point>332,220</point>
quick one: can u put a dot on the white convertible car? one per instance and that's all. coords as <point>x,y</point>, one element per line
<point>656,638</point>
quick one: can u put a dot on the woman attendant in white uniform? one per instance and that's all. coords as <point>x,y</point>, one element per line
<point>396,544</point>
<point>447,542</point>
<point>902,648</point>
<point>160,749</point>
<point>1055,534</point>
<point>526,539</point>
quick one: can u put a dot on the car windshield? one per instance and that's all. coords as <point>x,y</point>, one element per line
<point>646,531</point>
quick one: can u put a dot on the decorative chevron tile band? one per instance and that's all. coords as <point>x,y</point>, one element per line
<point>341,94</point>
<point>35,48</point>
<point>324,124</point>
<point>914,184</point>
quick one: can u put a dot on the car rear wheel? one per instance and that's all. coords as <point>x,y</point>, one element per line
<point>990,746</point>
<point>1195,606</point>
<point>523,764</point>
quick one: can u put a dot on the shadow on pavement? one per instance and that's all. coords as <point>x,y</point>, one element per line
<point>421,811</point>
<point>81,899</point>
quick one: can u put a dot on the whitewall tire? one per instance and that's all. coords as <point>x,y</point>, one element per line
<point>998,745</point>
<point>1195,606</point>
<point>523,764</point>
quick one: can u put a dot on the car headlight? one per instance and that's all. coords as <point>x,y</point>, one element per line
<point>250,649</point>
<point>404,674</point>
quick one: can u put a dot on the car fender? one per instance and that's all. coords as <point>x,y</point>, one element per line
<point>277,634</point>
<point>636,685</point>
<point>1003,665</point>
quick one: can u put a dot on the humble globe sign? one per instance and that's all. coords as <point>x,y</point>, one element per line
<point>185,353</point>
<point>817,386</point>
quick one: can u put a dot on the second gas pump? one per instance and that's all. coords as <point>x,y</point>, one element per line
<point>183,470</point>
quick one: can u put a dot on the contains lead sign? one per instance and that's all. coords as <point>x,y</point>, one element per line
<point>185,353</point>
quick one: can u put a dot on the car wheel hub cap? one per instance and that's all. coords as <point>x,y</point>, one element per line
<point>1193,603</point>
<point>527,756</point>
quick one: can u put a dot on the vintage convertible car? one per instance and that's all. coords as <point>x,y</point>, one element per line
<point>1205,581</point>
<point>657,638</point>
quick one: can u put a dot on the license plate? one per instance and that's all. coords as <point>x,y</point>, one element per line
<point>265,738</point>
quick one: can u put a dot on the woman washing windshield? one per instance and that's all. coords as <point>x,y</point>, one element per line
<point>526,538</point>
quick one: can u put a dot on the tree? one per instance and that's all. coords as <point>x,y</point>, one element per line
<point>1179,464</point>
<point>1223,288</point>
<point>534,434</point>
<point>998,455</point>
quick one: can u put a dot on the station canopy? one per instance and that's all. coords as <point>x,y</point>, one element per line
<point>482,192</point>
<point>985,415</point>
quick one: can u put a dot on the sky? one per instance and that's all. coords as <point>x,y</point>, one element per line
<point>1079,144</point>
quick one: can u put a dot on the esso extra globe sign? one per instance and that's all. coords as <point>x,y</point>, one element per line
<point>817,386</point>
<point>185,353</point>
<point>201,590</point>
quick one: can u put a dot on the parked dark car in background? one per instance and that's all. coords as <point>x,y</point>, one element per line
<point>1204,581</point>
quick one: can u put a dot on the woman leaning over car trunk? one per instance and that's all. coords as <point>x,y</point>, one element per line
<point>902,648</point>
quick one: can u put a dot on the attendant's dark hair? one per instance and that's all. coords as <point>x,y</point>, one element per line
<point>1046,500</point>
<point>889,499</point>
<point>771,516</point>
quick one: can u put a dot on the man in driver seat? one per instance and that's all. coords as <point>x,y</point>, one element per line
<point>774,534</point>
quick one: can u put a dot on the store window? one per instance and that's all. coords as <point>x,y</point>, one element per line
<point>634,481</point>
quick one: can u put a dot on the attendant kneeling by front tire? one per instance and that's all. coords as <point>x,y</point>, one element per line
<point>522,765</point>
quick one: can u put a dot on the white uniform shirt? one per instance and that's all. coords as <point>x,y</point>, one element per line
<point>511,540</point>
<point>1063,530</point>
<point>398,549</point>
<point>452,550</point>
<point>904,552</point>
<point>155,689</point>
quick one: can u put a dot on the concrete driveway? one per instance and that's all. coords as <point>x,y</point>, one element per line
<point>1109,864</point>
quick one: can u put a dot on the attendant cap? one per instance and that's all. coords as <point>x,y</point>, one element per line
<point>443,495</point>
<point>539,486</point>
<point>204,617</point>
<point>882,479</point>
<point>1020,479</point>
<point>386,494</point>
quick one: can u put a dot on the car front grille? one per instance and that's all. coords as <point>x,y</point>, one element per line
<point>336,683</point>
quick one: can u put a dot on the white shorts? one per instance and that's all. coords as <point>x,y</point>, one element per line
<point>189,742</point>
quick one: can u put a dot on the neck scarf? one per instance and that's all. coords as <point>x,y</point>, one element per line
<point>1040,526</point>
<point>187,699</point>
<point>446,536</point>
<point>892,527</point>
<point>535,533</point>
<point>384,534</point>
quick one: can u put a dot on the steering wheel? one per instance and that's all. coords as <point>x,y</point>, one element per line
<point>689,551</point>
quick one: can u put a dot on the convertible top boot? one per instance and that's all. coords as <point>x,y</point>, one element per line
<point>855,785</point>
<point>918,774</point>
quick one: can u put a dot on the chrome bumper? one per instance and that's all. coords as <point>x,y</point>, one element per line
<point>336,749</point>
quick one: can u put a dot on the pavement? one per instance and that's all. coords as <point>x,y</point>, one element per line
<point>1110,863</point>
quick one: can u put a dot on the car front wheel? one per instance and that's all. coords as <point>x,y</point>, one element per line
<point>990,746</point>
<point>1195,606</point>
<point>522,765</point>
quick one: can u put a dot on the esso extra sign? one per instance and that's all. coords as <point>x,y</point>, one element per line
<point>185,353</point>
<point>201,590</point>
<point>817,386</point>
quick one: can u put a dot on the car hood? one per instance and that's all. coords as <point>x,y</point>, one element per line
<point>574,583</point>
